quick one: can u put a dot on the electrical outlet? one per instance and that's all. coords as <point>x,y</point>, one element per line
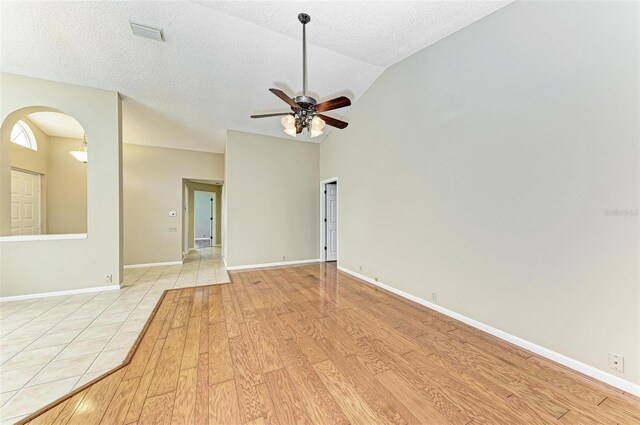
<point>361,268</point>
<point>616,362</point>
<point>434,297</point>
<point>108,278</point>
<point>284,258</point>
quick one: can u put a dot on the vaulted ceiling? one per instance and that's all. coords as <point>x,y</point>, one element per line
<point>220,57</point>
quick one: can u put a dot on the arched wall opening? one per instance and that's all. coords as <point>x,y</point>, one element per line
<point>92,260</point>
<point>48,161</point>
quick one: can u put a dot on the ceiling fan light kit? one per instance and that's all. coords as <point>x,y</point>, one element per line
<point>305,110</point>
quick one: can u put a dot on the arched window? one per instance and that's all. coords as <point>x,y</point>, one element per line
<point>22,135</point>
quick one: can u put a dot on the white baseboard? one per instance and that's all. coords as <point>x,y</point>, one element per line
<point>576,365</point>
<point>281,263</point>
<point>167,263</point>
<point>60,293</point>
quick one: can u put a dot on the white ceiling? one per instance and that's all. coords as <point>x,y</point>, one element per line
<point>379,33</point>
<point>219,58</point>
<point>57,124</point>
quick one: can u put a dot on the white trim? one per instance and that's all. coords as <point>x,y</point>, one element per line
<point>28,238</point>
<point>323,183</point>
<point>576,365</point>
<point>60,293</point>
<point>202,239</point>
<point>281,263</point>
<point>166,263</point>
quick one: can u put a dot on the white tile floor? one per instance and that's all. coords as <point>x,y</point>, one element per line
<point>49,346</point>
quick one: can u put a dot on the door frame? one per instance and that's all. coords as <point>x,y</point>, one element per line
<point>212,228</point>
<point>323,229</point>
<point>185,219</point>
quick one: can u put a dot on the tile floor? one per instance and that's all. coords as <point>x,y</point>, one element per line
<point>49,346</point>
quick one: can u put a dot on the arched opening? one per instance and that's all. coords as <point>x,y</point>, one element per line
<point>48,158</point>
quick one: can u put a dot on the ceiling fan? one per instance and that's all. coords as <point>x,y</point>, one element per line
<point>305,111</point>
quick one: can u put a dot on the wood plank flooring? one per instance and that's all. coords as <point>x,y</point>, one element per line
<point>309,344</point>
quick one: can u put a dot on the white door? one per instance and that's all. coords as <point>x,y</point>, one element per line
<point>331,215</point>
<point>25,203</point>
<point>204,218</point>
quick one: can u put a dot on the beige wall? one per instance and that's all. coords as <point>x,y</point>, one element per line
<point>217,189</point>
<point>45,266</point>
<point>66,188</point>
<point>482,167</point>
<point>272,199</point>
<point>153,186</point>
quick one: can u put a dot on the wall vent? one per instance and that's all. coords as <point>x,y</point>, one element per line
<point>147,32</point>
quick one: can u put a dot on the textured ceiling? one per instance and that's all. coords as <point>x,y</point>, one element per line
<point>379,33</point>
<point>219,58</point>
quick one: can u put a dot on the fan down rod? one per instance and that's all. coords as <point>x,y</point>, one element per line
<point>304,19</point>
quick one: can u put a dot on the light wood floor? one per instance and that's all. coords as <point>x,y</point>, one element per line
<point>309,344</point>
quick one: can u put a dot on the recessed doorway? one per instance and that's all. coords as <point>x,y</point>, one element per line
<point>204,219</point>
<point>203,222</point>
<point>329,220</point>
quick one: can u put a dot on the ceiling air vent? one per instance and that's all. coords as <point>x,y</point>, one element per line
<point>147,32</point>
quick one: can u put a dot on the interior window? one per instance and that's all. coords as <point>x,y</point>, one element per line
<point>22,135</point>
<point>49,178</point>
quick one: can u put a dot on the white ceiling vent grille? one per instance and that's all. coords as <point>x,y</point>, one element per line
<point>147,32</point>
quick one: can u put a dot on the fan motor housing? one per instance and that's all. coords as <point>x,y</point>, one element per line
<point>305,101</point>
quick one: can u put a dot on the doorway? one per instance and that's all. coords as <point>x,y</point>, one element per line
<point>329,220</point>
<point>204,219</point>
<point>25,203</point>
<point>202,230</point>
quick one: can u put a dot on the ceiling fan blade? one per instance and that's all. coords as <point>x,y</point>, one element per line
<point>270,115</point>
<point>284,97</point>
<point>338,102</point>
<point>333,122</point>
